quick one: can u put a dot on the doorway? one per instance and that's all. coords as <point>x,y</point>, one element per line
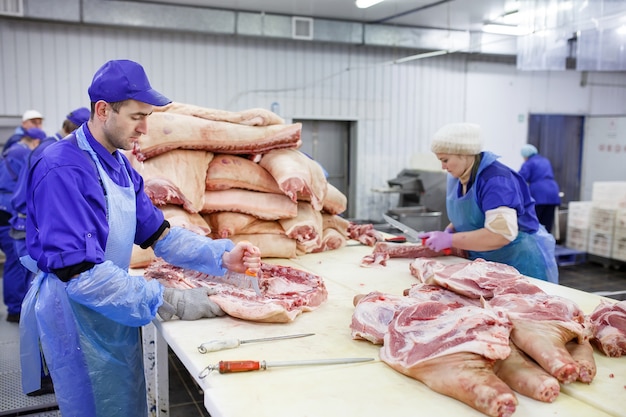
<point>329,143</point>
<point>560,139</point>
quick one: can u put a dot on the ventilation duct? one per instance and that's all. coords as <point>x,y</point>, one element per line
<point>302,28</point>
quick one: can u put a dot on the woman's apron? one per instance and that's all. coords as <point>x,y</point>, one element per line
<point>529,253</point>
<point>96,363</point>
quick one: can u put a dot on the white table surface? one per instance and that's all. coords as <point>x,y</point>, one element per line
<point>362,389</point>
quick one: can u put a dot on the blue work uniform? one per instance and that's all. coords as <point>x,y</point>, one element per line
<point>15,137</point>
<point>15,276</point>
<point>88,327</point>
<point>496,185</point>
<point>537,171</point>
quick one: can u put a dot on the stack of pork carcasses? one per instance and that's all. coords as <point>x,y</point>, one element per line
<point>238,175</point>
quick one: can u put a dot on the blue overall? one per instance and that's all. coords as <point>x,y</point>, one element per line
<point>93,350</point>
<point>531,253</point>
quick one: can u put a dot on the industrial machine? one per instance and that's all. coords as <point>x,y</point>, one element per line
<point>422,199</point>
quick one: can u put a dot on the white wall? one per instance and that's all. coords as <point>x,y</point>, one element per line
<point>49,66</point>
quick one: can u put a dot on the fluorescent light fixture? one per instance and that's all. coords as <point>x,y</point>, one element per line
<point>364,4</point>
<point>420,56</point>
<point>506,29</point>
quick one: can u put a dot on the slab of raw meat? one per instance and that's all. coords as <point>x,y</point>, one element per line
<point>452,351</point>
<point>225,224</point>
<point>168,131</point>
<point>475,279</point>
<point>374,312</point>
<point>177,216</point>
<point>286,292</point>
<point>523,374</point>
<point>250,117</point>
<point>297,175</point>
<point>232,171</point>
<point>306,228</point>
<point>609,328</point>
<point>583,355</point>
<point>264,206</point>
<point>385,250</point>
<point>426,292</point>
<point>364,233</point>
<point>185,169</point>
<point>331,240</point>
<point>543,325</point>
<point>162,191</point>
<point>335,201</point>
<point>270,245</point>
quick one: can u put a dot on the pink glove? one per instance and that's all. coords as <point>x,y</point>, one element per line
<point>438,241</point>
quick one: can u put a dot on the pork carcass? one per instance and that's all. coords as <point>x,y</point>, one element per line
<point>543,325</point>
<point>452,351</point>
<point>609,328</point>
<point>286,292</point>
<point>168,131</point>
<point>249,117</point>
<point>297,175</point>
<point>523,374</point>
<point>232,171</point>
<point>225,224</point>
<point>264,206</point>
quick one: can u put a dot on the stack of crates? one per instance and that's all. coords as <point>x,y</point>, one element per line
<point>578,219</point>
<point>619,236</point>
<point>608,199</point>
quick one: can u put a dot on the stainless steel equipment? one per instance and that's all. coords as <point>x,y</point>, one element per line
<point>422,199</point>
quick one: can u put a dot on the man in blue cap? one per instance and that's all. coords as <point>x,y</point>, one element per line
<point>15,276</point>
<point>86,207</point>
<point>30,119</point>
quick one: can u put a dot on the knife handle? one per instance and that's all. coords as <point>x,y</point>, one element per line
<point>227,367</point>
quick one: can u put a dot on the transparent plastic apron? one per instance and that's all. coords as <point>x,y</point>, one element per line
<point>528,253</point>
<point>108,356</point>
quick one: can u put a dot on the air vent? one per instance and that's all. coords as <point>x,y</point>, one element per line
<point>302,28</point>
<point>12,7</point>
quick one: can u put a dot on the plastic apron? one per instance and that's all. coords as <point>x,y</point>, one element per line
<point>530,254</point>
<point>96,363</point>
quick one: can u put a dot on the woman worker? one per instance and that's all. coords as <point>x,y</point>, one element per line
<point>491,212</point>
<point>537,171</point>
<point>86,207</point>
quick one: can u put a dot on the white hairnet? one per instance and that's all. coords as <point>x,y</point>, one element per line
<point>458,139</point>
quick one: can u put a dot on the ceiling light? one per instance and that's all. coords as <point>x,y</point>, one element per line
<point>364,4</point>
<point>506,29</point>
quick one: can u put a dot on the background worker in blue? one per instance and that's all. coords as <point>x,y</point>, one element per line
<point>30,119</point>
<point>491,212</point>
<point>18,222</point>
<point>84,308</point>
<point>15,276</point>
<point>538,173</point>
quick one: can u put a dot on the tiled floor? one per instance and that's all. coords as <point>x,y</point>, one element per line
<point>186,397</point>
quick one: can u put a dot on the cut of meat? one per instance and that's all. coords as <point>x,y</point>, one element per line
<point>232,171</point>
<point>425,292</point>
<point>335,201</point>
<point>609,328</point>
<point>264,206</point>
<point>286,292</point>
<point>225,224</point>
<point>583,354</point>
<point>176,216</point>
<point>306,228</point>
<point>331,240</point>
<point>372,314</point>
<point>296,174</point>
<point>185,169</point>
<point>249,117</point>
<point>270,245</point>
<point>162,191</point>
<point>168,131</point>
<point>543,325</point>
<point>364,233</point>
<point>475,279</point>
<point>522,374</point>
<point>452,351</point>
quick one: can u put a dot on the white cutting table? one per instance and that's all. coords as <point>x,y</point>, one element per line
<point>362,389</point>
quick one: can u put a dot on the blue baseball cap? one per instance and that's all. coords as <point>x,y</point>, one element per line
<point>35,133</point>
<point>120,80</point>
<point>79,116</point>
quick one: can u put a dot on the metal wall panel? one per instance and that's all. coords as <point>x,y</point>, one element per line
<point>48,66</point>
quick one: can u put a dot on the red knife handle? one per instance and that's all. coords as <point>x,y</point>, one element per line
<point>396,239</point>
<point>227,367</point>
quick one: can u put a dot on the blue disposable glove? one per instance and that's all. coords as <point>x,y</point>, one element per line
<point>190,250</point>
<point>437,241</point>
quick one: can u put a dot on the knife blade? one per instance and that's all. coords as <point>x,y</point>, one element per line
<point>412,233</point>
<point>227,367</point>
<point>221,344</point>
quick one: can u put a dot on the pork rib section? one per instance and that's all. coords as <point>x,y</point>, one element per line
<point>286,292</point>
<point>452,351</point>
<point>609,328</point>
